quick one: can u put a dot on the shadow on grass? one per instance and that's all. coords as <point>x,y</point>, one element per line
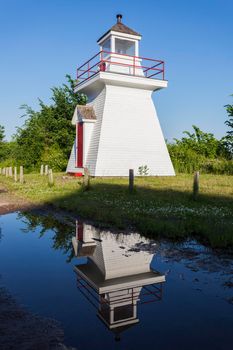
<point>157,213</point>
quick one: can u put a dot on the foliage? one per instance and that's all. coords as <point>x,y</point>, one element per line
<point>48,135</point>
<point>7,150</point>
<point>63,233</point>
<point>2,133</point>
<point>2,144</point>
<point>200,151</point>
<point>143,170</point>
<point>53,156</point>
<point>204,144</point>
<point>228,139</point>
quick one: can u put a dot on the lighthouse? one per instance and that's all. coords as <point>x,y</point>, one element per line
<point>116,277</point>
<point>119,129</point>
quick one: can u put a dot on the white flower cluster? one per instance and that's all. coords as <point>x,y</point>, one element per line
<point>169,210</point>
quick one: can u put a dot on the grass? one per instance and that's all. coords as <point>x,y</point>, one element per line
<point>159,207</point>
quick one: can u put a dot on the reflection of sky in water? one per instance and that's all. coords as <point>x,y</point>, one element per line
<point>193,313</point>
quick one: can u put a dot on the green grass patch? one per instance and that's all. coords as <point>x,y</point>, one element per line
<point>159,206</point>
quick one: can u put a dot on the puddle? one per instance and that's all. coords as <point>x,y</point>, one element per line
<point>115,290</point>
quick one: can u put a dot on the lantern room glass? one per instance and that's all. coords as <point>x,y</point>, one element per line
<point>106,47</point>
<point>125,47</point>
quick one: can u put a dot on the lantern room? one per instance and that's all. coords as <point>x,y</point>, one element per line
<point>120,39</point>
<point>119,49</point>
<point>119,53</point>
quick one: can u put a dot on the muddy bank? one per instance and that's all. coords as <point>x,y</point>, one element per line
<point>22,330</point>
<point>10,202</point>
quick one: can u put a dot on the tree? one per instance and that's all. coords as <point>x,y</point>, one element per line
<point>48,135</point>
<point>200,142</point>
<point>2,133</point>
<point>228,139</point>
<point>3,150</point>
<point>199,150</point>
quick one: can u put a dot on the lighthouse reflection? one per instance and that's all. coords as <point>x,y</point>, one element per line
<point>116,276</point>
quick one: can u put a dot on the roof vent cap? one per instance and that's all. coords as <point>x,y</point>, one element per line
<point>119,18</point>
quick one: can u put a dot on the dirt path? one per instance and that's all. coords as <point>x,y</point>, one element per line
<point>10,202</point>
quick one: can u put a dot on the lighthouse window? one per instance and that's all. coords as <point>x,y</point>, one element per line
<point>107,45</point>
<point>125,47</point>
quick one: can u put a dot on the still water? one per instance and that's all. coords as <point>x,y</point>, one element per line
<point>116,290</point>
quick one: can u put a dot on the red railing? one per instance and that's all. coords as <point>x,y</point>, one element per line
<point>148,294</point>
<point>105,61</point>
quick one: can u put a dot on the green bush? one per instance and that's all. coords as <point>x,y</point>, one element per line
<point>54,158</point>
<point>200,151</point>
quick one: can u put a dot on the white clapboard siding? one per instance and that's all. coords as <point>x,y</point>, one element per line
<point>71,166</point>
<point>92,153</point>
<point>114,257</point>
<point>130,135</point>
<point>127,132</point>
<point>89,232</point>
<point>88,127</point>
<point>98,258</point>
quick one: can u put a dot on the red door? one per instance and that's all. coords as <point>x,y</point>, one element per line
<point>79,133</point>
<point>79,231</point>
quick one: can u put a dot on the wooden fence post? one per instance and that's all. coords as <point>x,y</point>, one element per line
<point>196,185</point>
<point>51,182</point>
<point>0,171</point>
<point>131,180</point>
<point>42,169</point>
<point>46,170</point>
<point>4,171</point>
<point>7,171</point>
<point>10,171</point>
<point>21,174</point>
<point>86,179</point>
<point>15,174</point>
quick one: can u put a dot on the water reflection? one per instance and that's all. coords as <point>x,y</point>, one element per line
<point>63,231</point>
<point>117,275</point>
<point>198,285</point>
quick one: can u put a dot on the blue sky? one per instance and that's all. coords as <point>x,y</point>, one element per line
<point>42,40</point>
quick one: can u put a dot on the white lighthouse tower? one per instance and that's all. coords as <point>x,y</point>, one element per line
<point>119,129</point>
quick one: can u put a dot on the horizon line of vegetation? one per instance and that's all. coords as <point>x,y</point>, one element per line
<point>47,137</point>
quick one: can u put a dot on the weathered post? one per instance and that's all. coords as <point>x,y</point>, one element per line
<point>4,171</point>
<point>21,174</point>
<point>10,171</point>
<point>42,169</point>
<point>7,171</point>
<point>46,170</point>
<point>196,185</point>
<point>131,180</point>
<point>15,174</point>
<point>51,182</point>
<point>86,179</point>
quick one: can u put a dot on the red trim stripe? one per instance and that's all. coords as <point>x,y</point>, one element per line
<point>80,145</point>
